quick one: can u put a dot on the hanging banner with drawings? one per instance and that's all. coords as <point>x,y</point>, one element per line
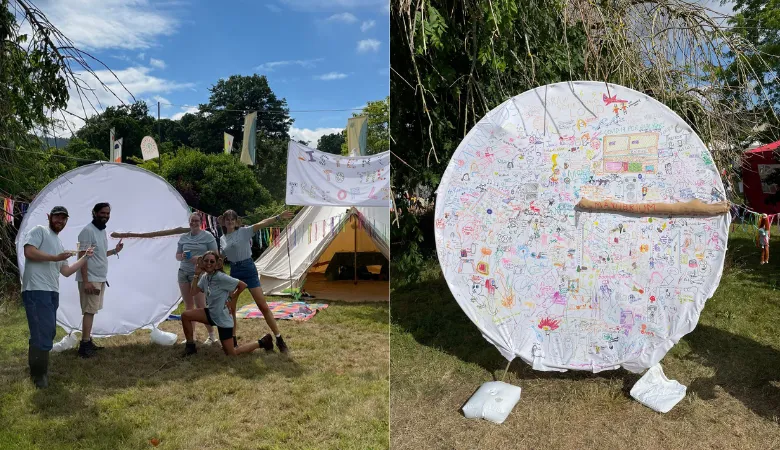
<point>319,178</point>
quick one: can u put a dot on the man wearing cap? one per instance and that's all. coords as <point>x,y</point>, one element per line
<point>45,260</point>
<point>92,276</point>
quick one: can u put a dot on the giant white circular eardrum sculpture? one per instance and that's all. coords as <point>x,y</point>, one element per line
<point>143,287</point>
<point>582,226</point>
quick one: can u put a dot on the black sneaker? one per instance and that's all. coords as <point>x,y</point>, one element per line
<point>267,342</point>
<point>190,349</point>
<point>86,350</point>
<point>94,346</point>
<point>281,345</point>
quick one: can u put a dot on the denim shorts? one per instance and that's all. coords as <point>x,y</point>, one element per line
<point>184,277</point>
<point>245,271</point>
<point>41,308</point>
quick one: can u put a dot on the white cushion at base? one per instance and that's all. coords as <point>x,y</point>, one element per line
<point>493,401</point>
<point>656,391</point>
<point>163,337</point>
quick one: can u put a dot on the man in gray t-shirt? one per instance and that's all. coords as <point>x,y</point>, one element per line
<point>92,278</point>
<point>45,260</point>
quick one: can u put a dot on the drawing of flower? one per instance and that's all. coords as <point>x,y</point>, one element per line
<point>548,324</point>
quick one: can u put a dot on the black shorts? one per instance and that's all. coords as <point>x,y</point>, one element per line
<point>224,333</point>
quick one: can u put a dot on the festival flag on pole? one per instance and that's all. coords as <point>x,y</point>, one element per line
<point>250,136</point>
<point>228,143</point>
<point>116,151</point>
<point>357,132</point>
<point>111,147</point>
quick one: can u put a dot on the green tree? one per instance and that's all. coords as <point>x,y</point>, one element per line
<point>211,182</point>
<point>229,102</point>
<point>758,23</point>
<point>331,143</point>
<point>378,136</point>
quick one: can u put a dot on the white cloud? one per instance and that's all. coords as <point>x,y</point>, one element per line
<point>136,79</point>
<point>343,17</point>
<point>186,110</point>
<point>164,102</point>
<point>273,8</point>
<point>157,63</point>
<point>331,76</point>
<point>100,24</point>
<point>141,56</point>
<point>329,5</point>
<point>305,63</point>
<point>367,25</point>
<point>312,136</point>
<point>368,45</point>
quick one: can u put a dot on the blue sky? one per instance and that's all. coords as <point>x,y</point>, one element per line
<point>318,54</point>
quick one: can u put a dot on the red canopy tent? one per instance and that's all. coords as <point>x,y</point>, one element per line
<point>758,164</point>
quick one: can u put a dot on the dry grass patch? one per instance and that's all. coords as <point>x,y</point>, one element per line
<point>730,363</point>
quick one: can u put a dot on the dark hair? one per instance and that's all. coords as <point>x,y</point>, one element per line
<point>100,206</point>
<point>226,214</point>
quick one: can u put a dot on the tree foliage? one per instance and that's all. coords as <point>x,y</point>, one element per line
<point>453,61</point>
<point>378,136</point>
<point>331,143</point>
<point>211,182</point>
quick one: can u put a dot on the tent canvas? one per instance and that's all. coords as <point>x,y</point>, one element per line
<point>307,257</point>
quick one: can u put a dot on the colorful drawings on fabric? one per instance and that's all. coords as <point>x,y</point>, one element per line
<point>567,289</point>
<point>319,178</point>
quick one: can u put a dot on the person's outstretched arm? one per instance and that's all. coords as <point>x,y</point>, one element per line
<point>264,223</point>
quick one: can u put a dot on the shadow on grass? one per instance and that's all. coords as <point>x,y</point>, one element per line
<point>747,370</point>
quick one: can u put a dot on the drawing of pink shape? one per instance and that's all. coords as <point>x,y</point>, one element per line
<point>616,167</point>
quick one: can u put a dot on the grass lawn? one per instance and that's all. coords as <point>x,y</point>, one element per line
<point>330,392</point>
<point>730,363</point>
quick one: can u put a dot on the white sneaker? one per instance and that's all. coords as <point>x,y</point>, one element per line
<point>209,341</point>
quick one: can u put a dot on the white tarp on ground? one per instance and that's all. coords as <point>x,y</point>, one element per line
<point>309,247</point>
<point>143,288</point>
<point>580,290</point>
<point>322,179</point>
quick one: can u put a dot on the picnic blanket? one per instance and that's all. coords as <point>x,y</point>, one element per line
<point>301,311</point>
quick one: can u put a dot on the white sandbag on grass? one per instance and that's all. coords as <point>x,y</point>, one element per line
<point>493,401</point>
<point>656,391</point>
<point>163,337</point>
<point>68,342</point>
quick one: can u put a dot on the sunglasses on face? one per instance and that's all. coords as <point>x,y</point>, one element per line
<point>209,261</point>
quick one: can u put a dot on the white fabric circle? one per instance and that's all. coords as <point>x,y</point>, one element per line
<point>143,287</point>
<point>565,289</point>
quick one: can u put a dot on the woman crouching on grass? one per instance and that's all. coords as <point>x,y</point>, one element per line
<point>222,291</point>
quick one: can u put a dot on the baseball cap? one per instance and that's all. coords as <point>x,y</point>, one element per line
<point>59,210</point>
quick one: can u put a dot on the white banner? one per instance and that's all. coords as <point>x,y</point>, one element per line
<point>319,178</point>
<point>228,143</point>
<point>149,148</point>
<point>116,151</point>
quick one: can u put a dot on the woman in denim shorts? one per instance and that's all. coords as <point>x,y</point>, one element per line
<point>236,246</point>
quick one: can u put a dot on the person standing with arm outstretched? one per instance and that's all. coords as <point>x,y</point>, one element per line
<point>236,245</point>
<point>45,261</point>
<point>92,278</point>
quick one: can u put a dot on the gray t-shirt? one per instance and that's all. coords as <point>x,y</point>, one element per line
<point>198,245</point>
<point>43,275</point>
<point>97,266</point>
<point>237,246</point>
<point>218,288</point>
